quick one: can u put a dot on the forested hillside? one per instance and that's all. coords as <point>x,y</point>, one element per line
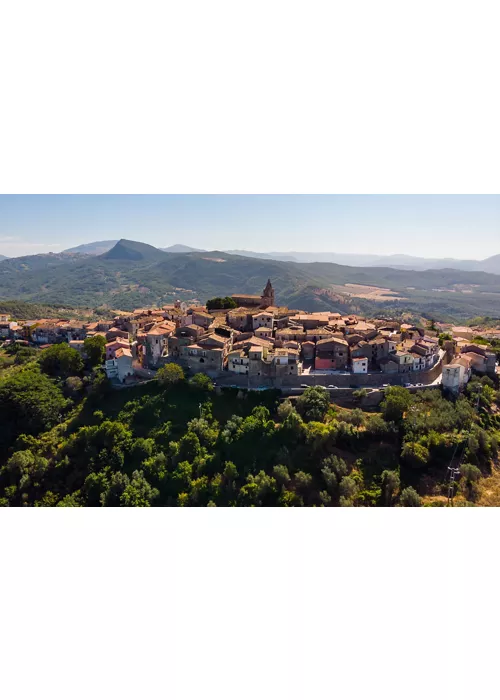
<point>68,439</point>
<point>133,274</point>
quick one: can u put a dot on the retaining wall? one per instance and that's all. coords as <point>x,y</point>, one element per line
<point>348,380</point>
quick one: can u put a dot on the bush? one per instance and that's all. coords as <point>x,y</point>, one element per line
<point>409,498</point>
<point>360,394</point>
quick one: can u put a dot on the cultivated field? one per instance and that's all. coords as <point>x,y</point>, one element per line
<point>362,291</point>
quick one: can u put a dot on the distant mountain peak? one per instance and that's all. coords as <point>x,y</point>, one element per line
<point>132,250</point>
<point>94,248</point>
<point>181,248</point>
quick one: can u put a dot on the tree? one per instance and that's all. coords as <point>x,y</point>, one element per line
<point>303,482</point>
<point>335,465</point>
<point>284,409</point>
<point>280,473</point>
<point>395,404</point>
<point>24,354</point>
<point>471,475</point>
<point>61,361</point>
<point>71,501</point>
<point>139,492</point>
<point>170,374</point>
<point>390,484</point>
<point>221,303</point>
<point>348,488</point>
<point>117,485</point>
<point>415,454</point>
<point>202,381</point>
<point>95,349</point>
<point>325,498</point>
<point>443,337</point>
<point>73,386</point>
<point>313,403</point>
<point>409,498</point>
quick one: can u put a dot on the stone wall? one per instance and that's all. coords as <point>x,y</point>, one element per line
<point>348,380</point>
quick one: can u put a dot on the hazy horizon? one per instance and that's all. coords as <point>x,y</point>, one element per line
<point>428,226</point>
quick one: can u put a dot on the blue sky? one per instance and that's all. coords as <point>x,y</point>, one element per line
<point>465,226</point>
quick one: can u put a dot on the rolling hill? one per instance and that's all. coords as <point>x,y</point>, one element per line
<point>180,248</point>
<point>134,274</point>
<point>95,248</point>
<point>397,261</point>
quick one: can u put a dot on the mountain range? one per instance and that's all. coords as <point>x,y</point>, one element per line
<point>132,274</point>
<point>398,261</point>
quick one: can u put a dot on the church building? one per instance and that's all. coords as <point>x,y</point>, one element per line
<point>264,300</point>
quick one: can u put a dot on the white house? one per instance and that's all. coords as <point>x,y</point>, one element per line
<point>237,362</point>
<point>263,320</point>
<point>359,365</point>
<point>121,366</point>
<point>419,362</point>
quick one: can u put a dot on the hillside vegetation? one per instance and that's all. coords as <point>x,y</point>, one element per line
<point>67,439</point>
<point>133,274</point>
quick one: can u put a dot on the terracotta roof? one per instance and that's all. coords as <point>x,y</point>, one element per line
<point>338,341</point>
<point>161,330</point>
<point>119,341</point>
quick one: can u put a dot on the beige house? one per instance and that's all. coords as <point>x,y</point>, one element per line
<point>237,362</point>
<point>456,374</point>
<point>157,342</point>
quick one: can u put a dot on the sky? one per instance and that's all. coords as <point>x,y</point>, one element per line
<point>460,226</point>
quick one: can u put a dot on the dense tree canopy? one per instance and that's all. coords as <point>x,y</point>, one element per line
<point>61,360</point>
<point>221,303</point>
<point>70,441</point>
<point>29,403</point>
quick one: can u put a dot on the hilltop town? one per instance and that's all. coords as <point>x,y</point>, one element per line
<point>249,340</point>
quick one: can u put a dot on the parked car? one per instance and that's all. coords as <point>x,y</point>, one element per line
<point>332,386</point>
<point>408,385</point>
<point>304,386</point>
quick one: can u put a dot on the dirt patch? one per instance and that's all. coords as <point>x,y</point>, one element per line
<point>489,490</point>
<point>363,291</point>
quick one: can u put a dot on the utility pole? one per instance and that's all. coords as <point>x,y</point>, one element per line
<point>454,472</point>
